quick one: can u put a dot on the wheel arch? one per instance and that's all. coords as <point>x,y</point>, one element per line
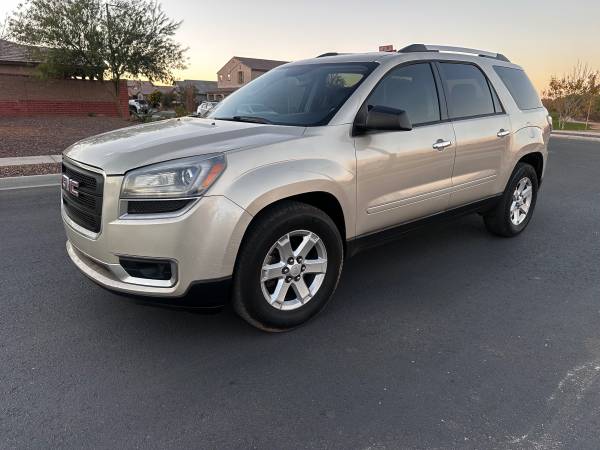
<point>535,159</point>
<point>323,200</point>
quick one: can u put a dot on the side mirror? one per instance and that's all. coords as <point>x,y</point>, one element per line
<point>382,118</point>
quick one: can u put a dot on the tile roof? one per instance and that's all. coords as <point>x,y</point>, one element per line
<point>135,87</point>
<point>260,64</point>
<point>202,86</point>
<point>11,52</point>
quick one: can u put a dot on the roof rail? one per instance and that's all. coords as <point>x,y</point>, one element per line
<point>328,54</point>
<point>413,48</point>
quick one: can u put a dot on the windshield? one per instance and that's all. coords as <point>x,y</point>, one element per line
<point>300,95</point>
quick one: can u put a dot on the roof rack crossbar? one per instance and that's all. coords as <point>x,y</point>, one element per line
<point>449,49</point>
<point>328,54</point>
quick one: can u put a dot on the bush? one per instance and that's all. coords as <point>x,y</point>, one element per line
<point>167,100</point>
<point>180,111</point>
<point>155,98</point>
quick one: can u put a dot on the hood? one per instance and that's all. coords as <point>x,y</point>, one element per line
<point>118,151</point>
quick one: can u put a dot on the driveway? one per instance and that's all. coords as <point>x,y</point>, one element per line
<point>449,338</point>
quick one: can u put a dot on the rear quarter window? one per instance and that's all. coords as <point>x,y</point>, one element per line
<point>520,87</point>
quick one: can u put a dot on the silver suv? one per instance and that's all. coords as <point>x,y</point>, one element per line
<point>263,200</point>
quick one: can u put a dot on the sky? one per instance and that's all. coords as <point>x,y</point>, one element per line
<point>544,37</point>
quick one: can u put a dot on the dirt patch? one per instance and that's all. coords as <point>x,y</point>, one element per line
<point>29,169</point>
<point>32,136</point>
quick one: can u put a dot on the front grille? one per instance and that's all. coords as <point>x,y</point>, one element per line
<point>85,208</point>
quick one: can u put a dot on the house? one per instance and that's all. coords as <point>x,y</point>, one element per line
<point>142,89</point>
<point>239,71</point>
<point>18,59</point>
<point>202,88</point>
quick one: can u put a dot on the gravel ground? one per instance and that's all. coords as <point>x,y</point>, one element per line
<point>31,136</point>
<point>29,169</point>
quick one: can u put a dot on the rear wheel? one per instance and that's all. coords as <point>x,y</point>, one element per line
<point>288,266</point>
<point>513,213</point>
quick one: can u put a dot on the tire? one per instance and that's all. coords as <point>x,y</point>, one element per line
<point>263,269</point>
<point>513,212</point>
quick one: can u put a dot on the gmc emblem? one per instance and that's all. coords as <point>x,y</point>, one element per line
<point>70,186</point>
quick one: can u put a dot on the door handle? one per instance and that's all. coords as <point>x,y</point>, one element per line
<point>503,132</point>
<point>441,144</point>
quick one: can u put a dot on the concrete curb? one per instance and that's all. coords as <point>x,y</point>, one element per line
<point>28,160</point>
<point>576,137</point>
<point>576,133</point>
<point>31,181</point>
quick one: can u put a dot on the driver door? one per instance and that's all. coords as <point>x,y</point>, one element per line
<point>400,175</point>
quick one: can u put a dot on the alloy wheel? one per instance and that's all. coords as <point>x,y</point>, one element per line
<point>293,270</point>
<point>521,201</point>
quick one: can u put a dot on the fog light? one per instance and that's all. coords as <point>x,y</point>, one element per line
<point>147,268</point>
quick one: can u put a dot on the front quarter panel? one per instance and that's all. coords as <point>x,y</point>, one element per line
<point>324,162</point>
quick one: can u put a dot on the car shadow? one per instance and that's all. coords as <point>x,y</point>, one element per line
<point>424,268</point>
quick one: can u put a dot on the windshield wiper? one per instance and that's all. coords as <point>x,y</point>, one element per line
<point>249,119</point>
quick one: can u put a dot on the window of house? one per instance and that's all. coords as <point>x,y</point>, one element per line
<point>467,91</point>
<point>220,77</point>
<point>240,77</point>
<point>228,77</point>
<point>409,88</point>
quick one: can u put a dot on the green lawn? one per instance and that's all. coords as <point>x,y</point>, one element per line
<point>568,126</point>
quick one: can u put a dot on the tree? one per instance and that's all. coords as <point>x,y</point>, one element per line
<point>123,37</point>
<point>190,93</point>
<point>155,98</point>
<point>569,93</point>
<point>592,94</point>
<point>4,27</point>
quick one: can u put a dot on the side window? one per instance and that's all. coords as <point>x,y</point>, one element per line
<point>412,89</point>
<point>467,91</point>
<point>519,86</point>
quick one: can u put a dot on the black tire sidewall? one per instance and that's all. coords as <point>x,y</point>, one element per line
<point>258,243</point>
<point>522,171</point>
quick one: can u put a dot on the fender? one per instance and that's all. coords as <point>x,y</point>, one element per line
<point>262,186</point>
<point>529,139</point>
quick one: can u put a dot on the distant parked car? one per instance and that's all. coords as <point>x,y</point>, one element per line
<point>205,107</point>
<point>138,106</point>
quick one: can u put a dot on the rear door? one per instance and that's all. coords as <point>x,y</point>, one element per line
<point>482,130</point>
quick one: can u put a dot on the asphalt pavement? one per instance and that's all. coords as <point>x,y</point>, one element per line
<point>449,338</point>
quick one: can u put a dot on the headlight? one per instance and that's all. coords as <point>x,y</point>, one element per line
<point>186,177</point>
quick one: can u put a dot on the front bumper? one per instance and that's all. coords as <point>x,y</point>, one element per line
<point>202,245</point>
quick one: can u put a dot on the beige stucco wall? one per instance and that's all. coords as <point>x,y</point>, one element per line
<point>232,68</point>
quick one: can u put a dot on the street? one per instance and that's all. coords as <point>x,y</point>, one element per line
<point>448,338</point>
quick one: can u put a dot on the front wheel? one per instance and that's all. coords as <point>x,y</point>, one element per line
<point>288,266</point>
<point>513,212</point>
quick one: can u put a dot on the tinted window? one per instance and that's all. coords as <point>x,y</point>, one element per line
<point>412,89</point>
<point>519,86</point>
<point>302,95</point>
<point>467,90</point>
